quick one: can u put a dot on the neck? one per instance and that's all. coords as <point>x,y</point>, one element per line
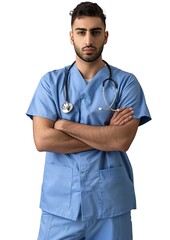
<point>89,69</point>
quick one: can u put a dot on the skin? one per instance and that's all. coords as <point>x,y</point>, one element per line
<point>88,37</point>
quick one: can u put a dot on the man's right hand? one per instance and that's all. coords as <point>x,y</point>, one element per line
<point>122,116</point>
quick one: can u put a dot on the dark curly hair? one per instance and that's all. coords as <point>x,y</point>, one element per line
<point>87,9</point>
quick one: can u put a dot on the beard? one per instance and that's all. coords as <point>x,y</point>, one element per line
<point>88,57</point>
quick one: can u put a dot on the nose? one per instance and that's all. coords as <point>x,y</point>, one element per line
<point>89,39</point>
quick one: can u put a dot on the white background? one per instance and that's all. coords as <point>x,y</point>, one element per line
<point>34,38</point>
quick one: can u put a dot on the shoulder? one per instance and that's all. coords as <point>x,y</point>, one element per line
<point>123,77</point>
<point>53,76</point>
<point>120,73</point>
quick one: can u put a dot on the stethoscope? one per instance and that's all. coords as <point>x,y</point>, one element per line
<point>67,107</point>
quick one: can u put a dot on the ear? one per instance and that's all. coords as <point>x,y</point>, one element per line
<point>71,37</point>
<point>106,37</point>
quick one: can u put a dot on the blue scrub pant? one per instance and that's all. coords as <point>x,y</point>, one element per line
<point>56,228</point>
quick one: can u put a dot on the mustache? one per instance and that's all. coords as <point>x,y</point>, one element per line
<point>89,47</point>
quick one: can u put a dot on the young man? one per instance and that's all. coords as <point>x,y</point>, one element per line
<point>85,116</point>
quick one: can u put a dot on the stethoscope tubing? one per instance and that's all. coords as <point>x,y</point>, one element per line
<point>68,106</point>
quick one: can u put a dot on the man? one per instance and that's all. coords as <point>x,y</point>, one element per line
<point>86,127</point>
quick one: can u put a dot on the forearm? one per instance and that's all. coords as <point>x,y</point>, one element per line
<point>52,140</point>
<point>63,143</point>
<point>64,136</point>
<point>105,138</point>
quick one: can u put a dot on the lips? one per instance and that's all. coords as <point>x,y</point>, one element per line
<point>88,50</point>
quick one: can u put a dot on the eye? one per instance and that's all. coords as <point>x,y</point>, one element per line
<point>81,33</point>
<point>96,32</point>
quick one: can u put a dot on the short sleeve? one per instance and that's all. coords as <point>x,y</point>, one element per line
<point>42,103</point>
<point>132,95</point>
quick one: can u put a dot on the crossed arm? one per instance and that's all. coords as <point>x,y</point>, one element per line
<point>65,136</point>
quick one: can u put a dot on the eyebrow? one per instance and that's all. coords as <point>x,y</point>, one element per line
<point>91,29</point>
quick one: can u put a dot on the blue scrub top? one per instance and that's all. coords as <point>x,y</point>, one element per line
<point>93,183</point>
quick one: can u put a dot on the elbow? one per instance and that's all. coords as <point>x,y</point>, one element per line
<point>122,146</point>
<point>39,144</point>
<point>125,145</point>
<point>39,148</point>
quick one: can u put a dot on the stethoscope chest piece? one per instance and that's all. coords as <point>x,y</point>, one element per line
<point>67,107</point>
